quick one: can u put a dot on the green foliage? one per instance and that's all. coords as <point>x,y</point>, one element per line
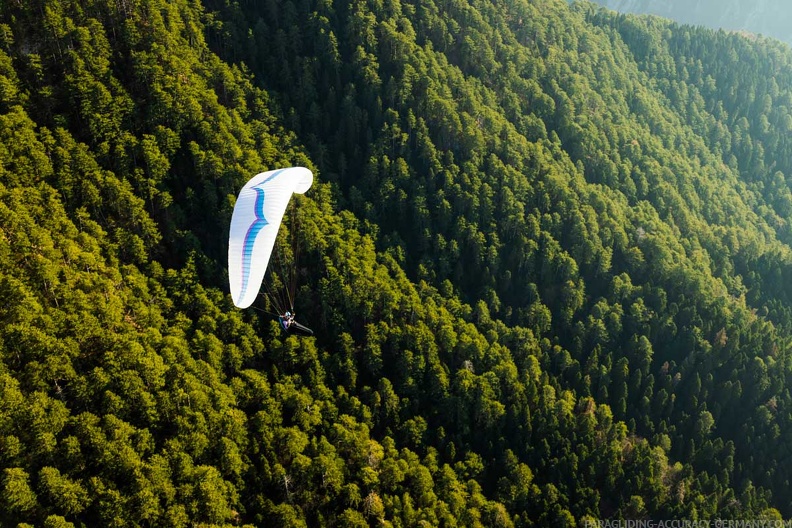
<point>546,259</point>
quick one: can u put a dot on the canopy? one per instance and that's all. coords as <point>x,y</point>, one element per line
<point>254,226</point>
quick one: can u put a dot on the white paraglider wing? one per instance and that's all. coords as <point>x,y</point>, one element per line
<point>254,226</point>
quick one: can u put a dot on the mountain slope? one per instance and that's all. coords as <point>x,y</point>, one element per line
<point>771,18</point>
<point>546,287</point>
<point>554,154</point>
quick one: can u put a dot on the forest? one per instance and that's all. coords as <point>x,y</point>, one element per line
<point>547,257</point>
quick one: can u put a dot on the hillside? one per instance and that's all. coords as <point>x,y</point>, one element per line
<point>547,260</point>
<point>770,18</point>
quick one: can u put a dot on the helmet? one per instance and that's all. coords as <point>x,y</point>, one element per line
<point>288,314</point>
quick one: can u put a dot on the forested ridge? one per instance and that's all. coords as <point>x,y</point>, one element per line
<point>546,257</point>
<point>768,18</point>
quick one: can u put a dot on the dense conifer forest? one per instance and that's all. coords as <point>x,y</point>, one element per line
<point>547,258</point>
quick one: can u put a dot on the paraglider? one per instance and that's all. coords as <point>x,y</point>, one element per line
<point>255,222</point>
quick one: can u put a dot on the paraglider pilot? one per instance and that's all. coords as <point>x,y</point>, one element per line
<point>291,326</point>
